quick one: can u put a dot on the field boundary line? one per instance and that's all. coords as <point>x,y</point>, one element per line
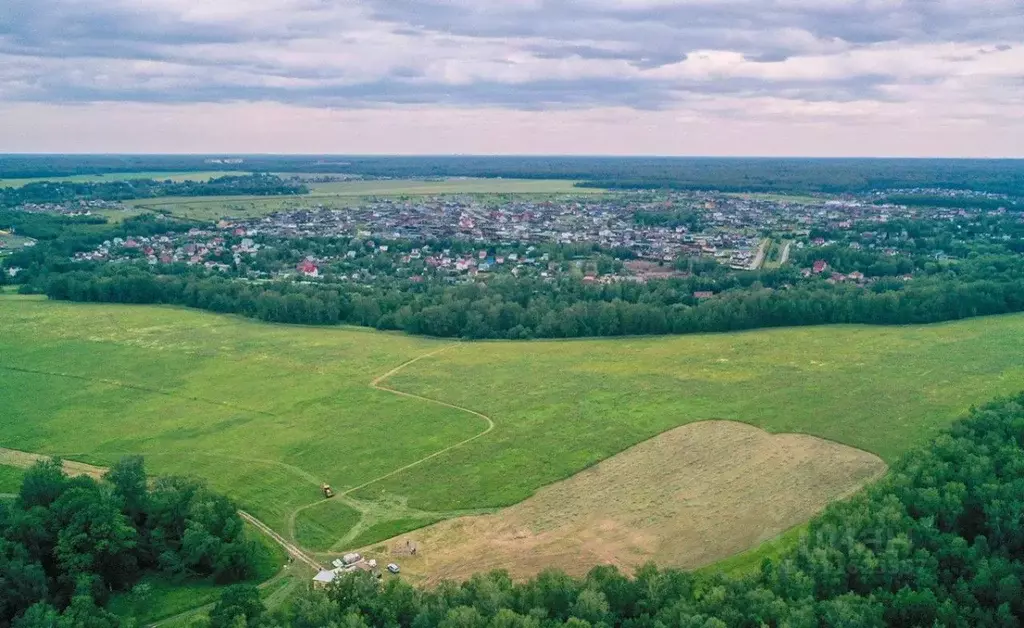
<point>306,475</point>
<point>143,388</point>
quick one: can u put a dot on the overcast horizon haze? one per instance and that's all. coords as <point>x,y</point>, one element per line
<point>713,78</point>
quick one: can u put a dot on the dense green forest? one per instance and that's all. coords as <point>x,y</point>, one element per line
<point>506,307</point>
<point>67,544</point>
<point>67,191</point>
<point>1004,176</point>
<point>939,542</point>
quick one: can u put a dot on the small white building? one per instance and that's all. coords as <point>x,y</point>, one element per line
<point>324,578</point>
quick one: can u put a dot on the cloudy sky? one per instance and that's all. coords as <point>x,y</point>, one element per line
<point>668,77</point>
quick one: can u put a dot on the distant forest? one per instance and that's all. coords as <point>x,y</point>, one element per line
<point>789,175</point>
<point>43,192</point>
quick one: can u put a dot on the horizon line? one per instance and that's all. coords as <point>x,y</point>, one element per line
<point>4,155</point>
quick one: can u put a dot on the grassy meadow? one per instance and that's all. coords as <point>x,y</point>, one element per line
<point>267,412</point>
<point>10,480</point>
<point>418,187</point>
<point>796,199</point>
<point>563,405</point>
<point>344,194</point>
<point>213,208</point>
<point>10,242</point>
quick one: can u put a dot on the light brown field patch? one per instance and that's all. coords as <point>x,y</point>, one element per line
<point>24,460</point>
<point>687,498</point>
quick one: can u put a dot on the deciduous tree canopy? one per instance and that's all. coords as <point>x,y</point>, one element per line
<point>67,543</point>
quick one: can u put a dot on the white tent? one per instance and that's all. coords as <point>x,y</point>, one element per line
<point>324,578</point>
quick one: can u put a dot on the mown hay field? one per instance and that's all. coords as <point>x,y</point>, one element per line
<point>267,412</point>
<point>689,497</point>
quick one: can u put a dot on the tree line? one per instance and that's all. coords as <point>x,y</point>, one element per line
<point>59,192</point>
<point>938,542</point>
<point>505,307</point>
<point>68,543</point>
<point>1005,176</point>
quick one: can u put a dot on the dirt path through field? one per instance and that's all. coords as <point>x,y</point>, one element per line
<point>24,460</point>
<point>785,253</point>
<point>377,384</point>
<point>292,549</point>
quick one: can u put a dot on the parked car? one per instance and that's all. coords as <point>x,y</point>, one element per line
<point>393,568</point>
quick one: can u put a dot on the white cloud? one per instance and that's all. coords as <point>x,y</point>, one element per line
<point>755,64</point>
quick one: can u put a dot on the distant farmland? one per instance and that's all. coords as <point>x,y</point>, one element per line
<point>414,187</point>
<point>268,412</point>
<point>342,194</point>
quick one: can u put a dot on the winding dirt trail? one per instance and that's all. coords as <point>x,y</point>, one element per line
<point>377,384</point>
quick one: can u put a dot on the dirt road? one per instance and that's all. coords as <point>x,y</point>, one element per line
<point>785,253</point>
<point>292,549</point>
<point>762,253</point>
<point>24,460</point>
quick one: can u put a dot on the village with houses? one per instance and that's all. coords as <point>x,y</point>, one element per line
<point>600,239</point>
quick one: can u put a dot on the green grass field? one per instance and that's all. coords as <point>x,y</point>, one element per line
<point>268,412</point>
<point>797,199</point>
<point>415,187</point>
<point>10,242</point>
<point>10,479</point>
<point>212,208</point>
<point>124,176</point>
<point>345,194</point>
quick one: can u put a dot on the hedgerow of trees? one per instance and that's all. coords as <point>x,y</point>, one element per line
<point>68,543</point>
